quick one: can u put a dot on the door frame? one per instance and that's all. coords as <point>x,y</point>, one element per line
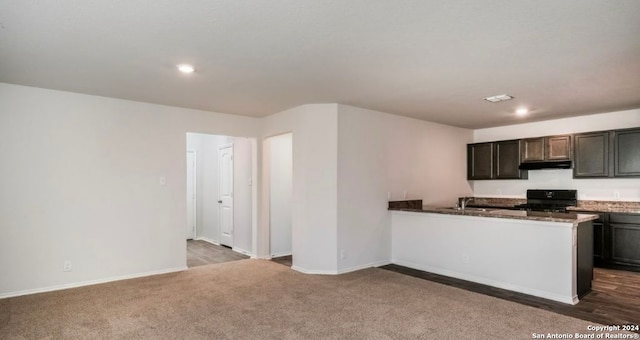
<point>269,165</point>
<point>194,232</point>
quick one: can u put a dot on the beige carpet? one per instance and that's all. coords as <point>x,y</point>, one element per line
<point>259,299</point>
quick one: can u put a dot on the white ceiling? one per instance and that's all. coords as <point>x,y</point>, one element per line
<point>433,60</point>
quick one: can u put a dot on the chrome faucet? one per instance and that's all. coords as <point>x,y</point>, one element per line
<point>463,201</point>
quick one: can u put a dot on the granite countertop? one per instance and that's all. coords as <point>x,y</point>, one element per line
<point>607,206</point>
<point>583,205</point>
<point>498,207</point>
<point>573,218</point>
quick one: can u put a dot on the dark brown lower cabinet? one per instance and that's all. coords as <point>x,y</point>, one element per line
<point>616,240</point>
<point>584,261</point>
<point>599,256</point>
<point>625,240</point>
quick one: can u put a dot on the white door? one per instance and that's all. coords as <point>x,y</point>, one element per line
<point>225,200</point>
<point>191,194</point>
<point>280,190</point>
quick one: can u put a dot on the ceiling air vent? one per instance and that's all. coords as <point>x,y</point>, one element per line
<point>498,98</point>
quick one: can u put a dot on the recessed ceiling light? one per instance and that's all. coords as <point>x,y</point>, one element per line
<point>499,98</point>
<point>185,68</point>
<point>522,111</point>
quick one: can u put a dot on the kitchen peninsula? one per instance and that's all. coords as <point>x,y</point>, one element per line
<point>549,255</point>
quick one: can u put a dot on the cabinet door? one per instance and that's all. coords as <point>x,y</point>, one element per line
<point>480,161</point>
<point>591,155</point>
<point>627,153</point>
<point>557,148</point>
<point>533,149</point>
<point>625,239</point>
<point>625,244</point>
<point>507,160</point>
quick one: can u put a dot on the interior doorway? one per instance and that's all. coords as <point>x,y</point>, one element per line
<point>223,172</point>
<point>280,150</point>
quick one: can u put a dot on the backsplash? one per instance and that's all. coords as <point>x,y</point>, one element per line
<point>613,206</point>
<point>497,201</point>
<point>606,189</point>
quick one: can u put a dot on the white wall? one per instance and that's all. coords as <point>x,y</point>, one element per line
<point>80,182</point>
<point>345,160</point>
<point>314,196</point>
<point>243,182</point>
<point>280,189</point>
<point>80,179</point>
<point>596,122</point>
<point>380,153</point>
<point>588,189</point>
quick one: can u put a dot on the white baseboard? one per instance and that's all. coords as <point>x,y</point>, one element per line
<point>343,270</point>
<point>206,239</point>
<point>89,282</point>
<point>364,266</point>
<point>285,253</point>
<point>384,263</point>
<point>236,249</point>
<point>242,251</point>
<point>572,300</point>
<point>314,272</point>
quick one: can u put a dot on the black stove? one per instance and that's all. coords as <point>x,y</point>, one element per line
<point>549,200</point>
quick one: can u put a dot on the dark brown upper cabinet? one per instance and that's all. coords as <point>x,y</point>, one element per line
<point>497,160</point>
<point>533,149</point>
<point>507,160</point>
<point>480,161</point>
<point>591,155</point>
<point>552,148</point>
<point>626,161</point>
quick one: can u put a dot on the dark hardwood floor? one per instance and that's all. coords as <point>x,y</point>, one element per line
<point>614,299</point>
<point>200,253</point>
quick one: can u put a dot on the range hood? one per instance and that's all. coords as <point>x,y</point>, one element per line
<point>545,165</point>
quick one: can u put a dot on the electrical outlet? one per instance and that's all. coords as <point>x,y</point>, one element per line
<point>465,258</point>
<point>404,195</point>
<point>389,195</point>
<point>66,266</point>
<point>162,180</point>
<point>616,194</point>
<point>343,254</point>
<point>499,191</point>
